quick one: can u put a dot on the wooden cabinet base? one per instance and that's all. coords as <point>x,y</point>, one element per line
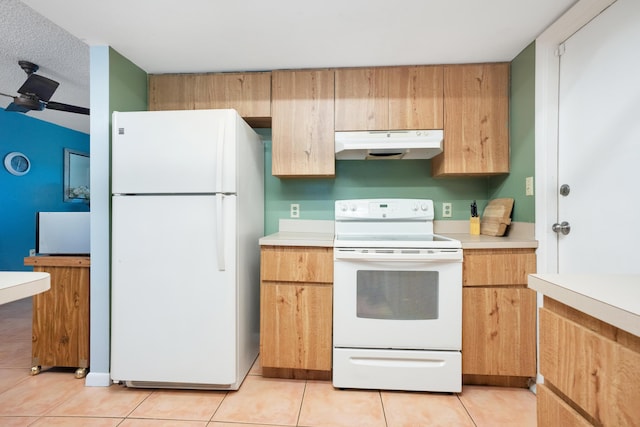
<point>498,380</point>
<point>296,374</point>
<point>60,330</point>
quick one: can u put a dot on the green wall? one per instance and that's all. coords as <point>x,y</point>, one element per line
<point>365,179</point>
<point>127,84</point>
<point>522,130</point>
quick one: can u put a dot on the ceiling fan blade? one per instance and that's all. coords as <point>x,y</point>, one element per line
<point>41,87</point>
<point>66,107</point>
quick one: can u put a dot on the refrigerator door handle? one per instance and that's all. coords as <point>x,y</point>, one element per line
<point>220,231</point>
<point>219,157</point>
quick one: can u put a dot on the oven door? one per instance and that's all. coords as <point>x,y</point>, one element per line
<point>397,299</point>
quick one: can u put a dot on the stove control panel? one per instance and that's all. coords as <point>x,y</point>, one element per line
<point>372,209</point>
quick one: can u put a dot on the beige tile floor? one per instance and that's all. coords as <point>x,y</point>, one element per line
<point>56,398</point>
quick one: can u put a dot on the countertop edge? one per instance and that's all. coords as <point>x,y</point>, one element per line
<point>19,285</point>
<point>550,286</point>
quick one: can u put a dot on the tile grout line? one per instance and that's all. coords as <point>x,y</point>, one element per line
<point>384,413</point>
<point>466,410</point>
<point>304,393</point>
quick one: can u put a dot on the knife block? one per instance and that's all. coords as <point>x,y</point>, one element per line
<point>474,226</point>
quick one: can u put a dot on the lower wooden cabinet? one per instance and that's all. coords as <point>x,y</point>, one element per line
<point>591,370</point>
<point>553,411</point>
<point>60,331</point>
<point>499,334</point>
<point>498,317</point>
<point>296,300</point>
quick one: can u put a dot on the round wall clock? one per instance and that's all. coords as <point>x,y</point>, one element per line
<point>17,163</point>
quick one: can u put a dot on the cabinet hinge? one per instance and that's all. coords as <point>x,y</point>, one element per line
<point>560,50</point>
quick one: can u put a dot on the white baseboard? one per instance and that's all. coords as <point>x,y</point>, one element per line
<point>97,379</point>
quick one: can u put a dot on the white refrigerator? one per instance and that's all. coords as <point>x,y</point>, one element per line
<point>187,213</point>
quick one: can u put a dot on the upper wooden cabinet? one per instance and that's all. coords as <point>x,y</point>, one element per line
<point>172,92</point>
<point>247,93</point>
<point>476,120</point>
<point>393,98</point>
<point>302,123</point>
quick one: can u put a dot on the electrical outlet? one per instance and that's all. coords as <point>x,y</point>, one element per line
<point>32,252</point>
<point>295,210</point>
<point>447,210</point>
<point>528,186</point>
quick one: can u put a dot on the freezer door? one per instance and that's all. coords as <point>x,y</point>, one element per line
<point>174,152</point>
<point>173,305</point>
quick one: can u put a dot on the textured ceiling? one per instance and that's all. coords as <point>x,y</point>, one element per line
<point>25,34</point>
<point>162,36</point>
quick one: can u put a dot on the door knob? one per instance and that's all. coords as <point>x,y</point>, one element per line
<point>562,227</point>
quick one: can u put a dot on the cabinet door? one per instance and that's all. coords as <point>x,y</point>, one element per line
<point>499,331</point>
<point>553,411</point>
<point>416,97</point>
<point>362,99</point>
<point>61,319</point>
<point>598,374</point>
<point>247,93</point>
<point>171,92</point>
<point>296,326</point>
<point>303,123</point>
<point>476,120</point>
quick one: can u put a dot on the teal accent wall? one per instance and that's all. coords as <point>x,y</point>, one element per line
<point>522,134</point>
<point>40,189</point>
<point>365,179</point>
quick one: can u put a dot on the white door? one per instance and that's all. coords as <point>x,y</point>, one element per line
<point>599,144</point>
<point>173,309</point>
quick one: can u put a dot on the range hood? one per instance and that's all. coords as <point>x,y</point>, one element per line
<point>379,145</point>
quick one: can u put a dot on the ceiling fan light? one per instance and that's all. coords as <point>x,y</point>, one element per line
<point>27,103</point>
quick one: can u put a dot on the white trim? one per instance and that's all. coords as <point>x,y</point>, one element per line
<point>547,75</point>
<point>97,379</point>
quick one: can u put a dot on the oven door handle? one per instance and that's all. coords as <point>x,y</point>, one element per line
<point>375,256</point>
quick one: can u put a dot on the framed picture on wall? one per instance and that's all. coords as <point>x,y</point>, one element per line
<point>76,176</point>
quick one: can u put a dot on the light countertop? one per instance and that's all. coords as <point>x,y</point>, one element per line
<point>321,233</point>
<point>301,233</point>
<point>520,235</point>
<point>15,285</point>
<point>614,299</point>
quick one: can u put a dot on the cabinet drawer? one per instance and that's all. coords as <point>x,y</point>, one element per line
<point>490,267</point>
<point>296,264</point>
<point>601,376</point>
<point>553,411</point>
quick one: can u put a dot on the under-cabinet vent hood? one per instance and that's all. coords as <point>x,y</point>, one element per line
<point>372,145</point>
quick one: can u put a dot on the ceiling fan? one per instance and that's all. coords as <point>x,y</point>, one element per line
<point>36,92</point>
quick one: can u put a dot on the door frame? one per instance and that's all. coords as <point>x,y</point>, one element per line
<point>547,77</point>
